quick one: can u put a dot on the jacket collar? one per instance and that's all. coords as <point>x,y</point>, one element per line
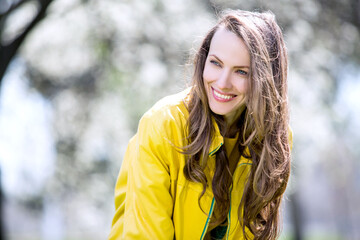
<point>217,140</point>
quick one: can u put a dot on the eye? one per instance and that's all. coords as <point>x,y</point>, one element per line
<point>215,63</point>
<point>241,72</point>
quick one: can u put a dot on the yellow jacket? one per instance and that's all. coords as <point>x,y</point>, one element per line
<point>153,199</point>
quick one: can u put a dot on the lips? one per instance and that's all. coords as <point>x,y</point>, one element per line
<point>221,97</point>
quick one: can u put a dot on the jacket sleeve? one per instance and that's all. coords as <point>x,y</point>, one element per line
<point>149,204</point>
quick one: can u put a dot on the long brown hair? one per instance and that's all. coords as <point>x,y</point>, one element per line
<point>263,125</point>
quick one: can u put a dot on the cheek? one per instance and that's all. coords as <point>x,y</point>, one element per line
<point>246,86</point>
<point>209,74</point>
<point>206,74</point>
<point>243,86</point>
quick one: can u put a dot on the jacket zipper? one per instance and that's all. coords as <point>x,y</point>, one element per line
<point>212,203</point>
<point>208,219</point>
<point>229,216</point>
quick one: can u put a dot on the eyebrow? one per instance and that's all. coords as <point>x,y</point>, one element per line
<point>213,55</point>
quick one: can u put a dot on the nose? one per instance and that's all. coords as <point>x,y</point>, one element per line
<point>224,80</point>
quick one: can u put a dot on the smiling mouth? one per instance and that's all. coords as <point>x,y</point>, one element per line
<point>222,97</point>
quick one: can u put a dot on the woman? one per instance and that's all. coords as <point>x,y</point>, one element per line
<point>213,161</point>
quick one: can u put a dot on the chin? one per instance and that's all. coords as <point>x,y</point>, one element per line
<point>220,112</point>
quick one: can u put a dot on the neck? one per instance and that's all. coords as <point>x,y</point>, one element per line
<point>231,132</point>
<point>231,125</point>
<point>231,118</point>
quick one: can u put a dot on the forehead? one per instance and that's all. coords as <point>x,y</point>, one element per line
<point>229,47</point>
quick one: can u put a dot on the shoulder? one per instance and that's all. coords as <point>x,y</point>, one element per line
<point>171,109</point>
<point>290,136</point>
<point>164,124</point>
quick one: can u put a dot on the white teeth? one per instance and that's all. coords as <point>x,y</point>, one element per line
<point>226,97</point>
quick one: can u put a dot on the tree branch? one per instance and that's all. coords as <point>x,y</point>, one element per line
<point>7,52</point>
<point>355,4</point>
<point>13,7</point>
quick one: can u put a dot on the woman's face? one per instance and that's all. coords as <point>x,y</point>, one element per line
<point>226,74</point>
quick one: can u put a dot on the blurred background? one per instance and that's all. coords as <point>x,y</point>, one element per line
<point>76,76</point>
